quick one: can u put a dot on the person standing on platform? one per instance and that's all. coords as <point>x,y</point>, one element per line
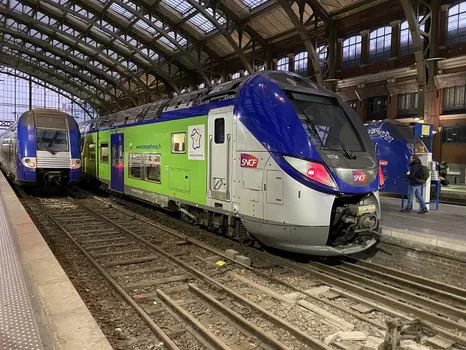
<point>415,185</point>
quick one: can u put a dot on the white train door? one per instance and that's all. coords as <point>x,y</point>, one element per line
<point>220,153</point>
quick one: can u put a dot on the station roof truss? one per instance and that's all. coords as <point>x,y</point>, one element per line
<point>117,54</point>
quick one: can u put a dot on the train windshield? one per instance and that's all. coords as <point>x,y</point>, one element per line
<point>52,140</point>
<point>326,123</point>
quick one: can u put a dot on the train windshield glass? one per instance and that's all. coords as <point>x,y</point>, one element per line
<point>325,121</point>
<point>52,140</point>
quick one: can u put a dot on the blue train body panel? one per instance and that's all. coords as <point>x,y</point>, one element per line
<point>394,143</point>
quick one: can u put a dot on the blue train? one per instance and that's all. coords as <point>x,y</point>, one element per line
<point>269,157</point>
<point>394,143</point>
<point>42,149</point>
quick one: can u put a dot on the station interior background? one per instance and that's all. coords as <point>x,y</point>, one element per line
<point>372,67</point>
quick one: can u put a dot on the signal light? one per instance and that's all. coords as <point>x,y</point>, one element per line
<point>314,171</point>
<point>381,177</point>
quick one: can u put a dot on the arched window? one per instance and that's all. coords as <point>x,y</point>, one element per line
<point>406,40</point>
<point>201,85</point>
<point>235,76</point>
<point>380,41</point>
<point>300,63</point>
<point>351,52</point>
<point>283,64</point>
<point>456,32</point>
<point>322,53</point>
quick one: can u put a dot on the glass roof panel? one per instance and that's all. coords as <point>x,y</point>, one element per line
<point>182,6</point>
<point>122,11</point>
<point>253,3</point>
<point>145,27</point>
<point>167,42</point>
<point>202,22</point>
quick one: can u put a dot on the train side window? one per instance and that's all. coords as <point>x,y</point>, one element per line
<point>178,142</point>
<point>114,152</point>
<point>152,166</point>
<point>134,165</point>
<point>104,152</point>
<point>219,130</point>
<point>92,152</point>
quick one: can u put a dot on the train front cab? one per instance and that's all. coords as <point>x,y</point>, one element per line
<point>48,149</point>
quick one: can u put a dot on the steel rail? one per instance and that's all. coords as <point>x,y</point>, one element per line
<point>437,323</point>
<point>430,286</point>
<point>149,321</point>
<point>297,333</point>
<point>257,271</point>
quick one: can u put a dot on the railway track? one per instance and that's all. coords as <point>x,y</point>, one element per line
<point>360,288</point>
<point>184,295</point>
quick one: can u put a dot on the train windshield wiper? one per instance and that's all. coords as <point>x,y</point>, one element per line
<point>349,154</point>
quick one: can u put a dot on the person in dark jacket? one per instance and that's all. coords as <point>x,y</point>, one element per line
<point>414,188</point>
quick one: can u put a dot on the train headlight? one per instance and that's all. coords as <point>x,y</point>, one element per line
<point>75,163</point>
<point>29,162</point>
<point>381,177</point>
<point>315,171</point>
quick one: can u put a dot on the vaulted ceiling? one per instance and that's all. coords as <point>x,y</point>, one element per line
<point>116,54</point>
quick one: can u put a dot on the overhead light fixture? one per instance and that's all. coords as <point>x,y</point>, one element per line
<point>331,80</point>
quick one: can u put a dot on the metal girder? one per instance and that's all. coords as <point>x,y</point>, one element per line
<point>102,13</point>
<point>224,32</point>
<point>161,31</point>
<point>61,53</point>
<point>49,30</point>
<point>55,80</point>
<point>128,73</point>
<point>52,88</point>
<point>243,25</point>
<point>318,9</point>
<point>189,36</point>
<point>420,48</point>
<point>54,63</point>
<point>304,36</point>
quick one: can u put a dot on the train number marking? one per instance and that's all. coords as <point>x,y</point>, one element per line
<point>359,176</point>
<point>332,156</point>
<point>248,161</point>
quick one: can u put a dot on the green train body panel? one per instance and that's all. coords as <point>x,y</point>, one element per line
<point>180,177</point>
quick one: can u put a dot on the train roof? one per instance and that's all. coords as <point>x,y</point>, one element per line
<point>222,92</point>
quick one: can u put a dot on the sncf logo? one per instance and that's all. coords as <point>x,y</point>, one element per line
<point>248,161</point>
<point>383,162</point>
<point>359,176</point>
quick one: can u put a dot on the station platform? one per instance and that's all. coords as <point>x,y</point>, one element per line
<point>438,230</point>
<point>39,306</point>
<point>454,192</point>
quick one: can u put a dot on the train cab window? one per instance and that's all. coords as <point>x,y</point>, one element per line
<point>219,130</point>
<point>134,165</point>
<point>52,140</point>
<point>152,167</point>
<point>92,152</point>
<point>178,142</point>
<point>104,152</point>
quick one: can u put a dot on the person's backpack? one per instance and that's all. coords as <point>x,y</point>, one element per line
<point>423,174</point>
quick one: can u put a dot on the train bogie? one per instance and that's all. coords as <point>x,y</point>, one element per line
<point>239,160</point>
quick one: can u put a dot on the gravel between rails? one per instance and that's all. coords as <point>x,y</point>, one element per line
<point>120,324</point>
<point>217,242</point>
<point>280,330</point>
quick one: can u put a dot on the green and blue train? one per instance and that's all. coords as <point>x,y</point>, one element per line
<point>270,157</point>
